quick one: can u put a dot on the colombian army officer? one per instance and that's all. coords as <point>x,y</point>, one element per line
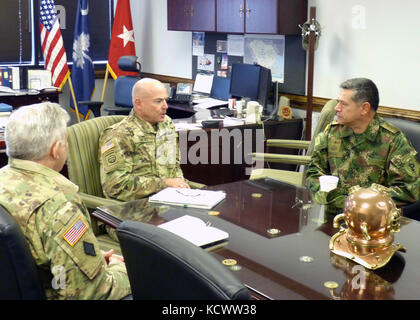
<point>51,215</point>
<point>360,148</point>
<point>139,155</point>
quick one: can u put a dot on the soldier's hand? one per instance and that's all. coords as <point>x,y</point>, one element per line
<point>176,183</point>
<point>115,258</point>
<point>107,255</point>
<point>112,258</point>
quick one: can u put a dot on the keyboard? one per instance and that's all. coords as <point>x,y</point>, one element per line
<point>180,98</point>
<point>222,113</point>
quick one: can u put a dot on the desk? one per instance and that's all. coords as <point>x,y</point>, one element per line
<point>180,110</point>
<point>23,99</point>
<point>203,151</point>
<point>296,263</point>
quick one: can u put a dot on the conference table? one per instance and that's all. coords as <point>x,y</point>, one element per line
<point>278,244</point>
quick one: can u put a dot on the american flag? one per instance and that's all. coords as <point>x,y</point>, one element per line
<point>52,44</point>
<point>75,232</point>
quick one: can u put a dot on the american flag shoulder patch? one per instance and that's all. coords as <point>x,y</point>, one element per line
<point>107,146</point>
<point>75,231</point>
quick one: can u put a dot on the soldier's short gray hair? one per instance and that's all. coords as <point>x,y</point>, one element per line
<point>365,91</point>
<point>32,130</point>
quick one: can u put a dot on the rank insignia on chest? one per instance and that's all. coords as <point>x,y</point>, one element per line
<point>75,232</point>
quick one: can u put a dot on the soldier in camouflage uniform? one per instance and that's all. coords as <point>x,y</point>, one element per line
<point>51,215</point>
<point>360,148</point>
<point>139,155</point>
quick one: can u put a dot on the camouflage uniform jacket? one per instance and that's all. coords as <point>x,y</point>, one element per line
<point>135,158</point>
<point>47,208</point>
<point>382,154</point>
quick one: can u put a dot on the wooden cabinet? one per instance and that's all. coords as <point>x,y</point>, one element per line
<point>230,16</point>
<point>261,16</point>
<point>238,16</point>
<point>192,15</point>
<point>178,15</point>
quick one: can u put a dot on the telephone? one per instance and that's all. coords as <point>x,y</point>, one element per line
<point>253,112</point>
<point>181,93</point>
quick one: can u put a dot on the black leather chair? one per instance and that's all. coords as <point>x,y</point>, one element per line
<point>163,266</point>
<point>412,130</point>
<point>19,277</point>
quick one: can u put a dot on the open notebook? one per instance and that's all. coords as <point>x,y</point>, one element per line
<point>195,231</point>
<point>195,198</point>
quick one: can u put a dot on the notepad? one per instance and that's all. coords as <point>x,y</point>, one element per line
<point>195,231</point>
<point>195,198</point>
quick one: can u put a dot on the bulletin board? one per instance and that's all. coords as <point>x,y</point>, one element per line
<point>294,61</point>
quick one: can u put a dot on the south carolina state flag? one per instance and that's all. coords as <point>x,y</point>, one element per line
<point>82,76</point>
<point>122,39</point>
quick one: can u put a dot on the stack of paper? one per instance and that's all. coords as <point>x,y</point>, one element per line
<point>195,198</point>
<point>195,231</point>
<point>206,103</point>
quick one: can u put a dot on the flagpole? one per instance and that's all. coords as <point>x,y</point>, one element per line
<point>105,81</point>
<point>74,99</point>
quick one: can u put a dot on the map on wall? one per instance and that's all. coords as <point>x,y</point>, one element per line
<point>267,51</point>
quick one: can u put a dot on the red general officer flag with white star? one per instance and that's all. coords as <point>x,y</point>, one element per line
<point>122,39</point>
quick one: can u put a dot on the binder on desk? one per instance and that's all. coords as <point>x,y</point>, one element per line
<point>194,198</point>
<point>195,231</point>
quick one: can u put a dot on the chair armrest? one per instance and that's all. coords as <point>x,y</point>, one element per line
<point>92,202</point>
<point>281,158</point>
<point>196,185</point>
<point>285,143</point>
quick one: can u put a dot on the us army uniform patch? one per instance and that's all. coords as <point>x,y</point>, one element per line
<point>75,231</point>
<point>111,158</point>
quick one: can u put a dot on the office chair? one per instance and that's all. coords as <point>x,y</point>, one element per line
<point>412,130</point>
<point>164,266</point>
<point>292,177</point>
<point>82,161</point>
<point>123,86</point>
<point>122,89</point>
<point>83,170</point>
<point>19,276</point>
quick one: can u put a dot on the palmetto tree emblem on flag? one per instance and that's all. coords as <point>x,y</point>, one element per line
<point>81,50</point>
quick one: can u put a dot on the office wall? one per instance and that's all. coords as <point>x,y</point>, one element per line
<point>371,38</point>
<point>377,39</point>
<point>160,51</point>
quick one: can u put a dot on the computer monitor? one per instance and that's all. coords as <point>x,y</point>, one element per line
<point>244,80</point>
<point>264,88</point>
<point>220,88</point>
<point>251,81</point>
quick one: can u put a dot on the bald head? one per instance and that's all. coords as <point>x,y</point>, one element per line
<point>149,100</point>
<point>144,86</point>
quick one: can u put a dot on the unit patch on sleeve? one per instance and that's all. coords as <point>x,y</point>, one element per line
<point>107,146</point>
